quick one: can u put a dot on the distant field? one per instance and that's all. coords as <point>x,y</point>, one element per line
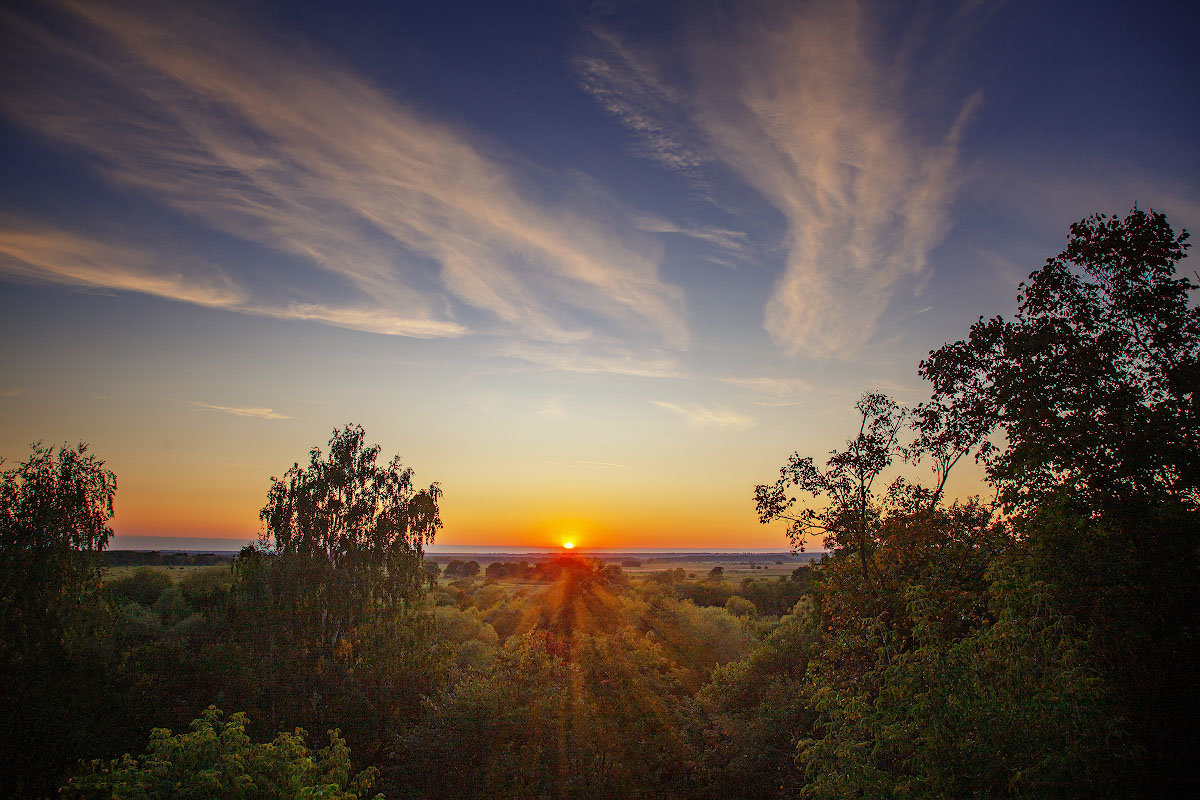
<point>174,573</point>
<point>733,570</point>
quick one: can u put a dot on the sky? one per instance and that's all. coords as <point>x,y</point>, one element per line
<point>595,268</point>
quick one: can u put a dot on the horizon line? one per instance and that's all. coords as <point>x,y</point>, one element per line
<point>199,544</point>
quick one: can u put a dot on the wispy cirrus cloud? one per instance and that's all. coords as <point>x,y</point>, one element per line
<point>594,360</point>
<point>628,84</point>
<point>799,103</point>
<point>262,138</point>
<point>261,413</point>
<point>774,392</point>
<point>36,252</point>
<point>734,242</point>
<point>700,416</point>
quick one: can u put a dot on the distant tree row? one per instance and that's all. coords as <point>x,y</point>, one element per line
<point>154,558</point>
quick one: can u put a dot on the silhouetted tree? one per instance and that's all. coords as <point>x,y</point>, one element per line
<point>348,534</point>
<point>340,559</point>
<point>848,481</point>
<point>143,586</point>
<point>1095,383</point>
<point>54,512</point>
<point>1095,386</point>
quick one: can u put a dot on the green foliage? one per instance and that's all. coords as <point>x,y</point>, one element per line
<point>206,588</point>
<point>54,512</point>
<point>740,607</point>
<point>697,639</point>
<point>585,717</point>
<point>468,632</point>
<point>54,649</point>
<point>346,534</point>
<point>143,586</point>
<point>1094,382</point>
<point>759,712</point>
<point>218,760</point>
<point>1012,708</point>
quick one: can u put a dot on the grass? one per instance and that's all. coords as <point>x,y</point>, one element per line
<point>733,571</point>
<point>176,574</point>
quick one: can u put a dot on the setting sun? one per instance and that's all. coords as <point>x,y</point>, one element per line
<point>568,545</point>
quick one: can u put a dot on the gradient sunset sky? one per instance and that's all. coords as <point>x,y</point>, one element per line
<point>597,268</point>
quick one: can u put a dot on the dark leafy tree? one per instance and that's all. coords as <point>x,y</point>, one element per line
<point>143,586</point>
<point>462,569</point>
<point>759,713</point>
<point>1011,708</point>
<point>348,533</point>
<point>1085,411</point>
<point>341,558</point>
<point>1094,384</point>
<point>54,512</point>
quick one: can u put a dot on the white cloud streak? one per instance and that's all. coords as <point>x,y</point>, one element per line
<point>261,413</point>
<point>772,392</point>
<point>699,416</point>
<point>735,242</point>
<point>576,359</point>
<point>803,110</point>
<point>34,252</point>
<point>276,145</point>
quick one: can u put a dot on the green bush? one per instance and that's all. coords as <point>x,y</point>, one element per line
<point>143,585</point>
<point>218,760</point>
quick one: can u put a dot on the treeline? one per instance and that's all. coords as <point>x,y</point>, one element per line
<point>1037,643</point>
<point>153,558</point>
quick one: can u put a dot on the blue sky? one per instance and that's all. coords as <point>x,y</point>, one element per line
<point>597,268</point>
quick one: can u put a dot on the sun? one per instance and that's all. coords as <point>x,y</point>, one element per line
<point>568,545</point>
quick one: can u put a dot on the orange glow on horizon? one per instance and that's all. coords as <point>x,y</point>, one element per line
<point>148,510</point>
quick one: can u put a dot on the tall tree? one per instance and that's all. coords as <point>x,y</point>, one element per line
<point>848,481</point>
<point>340,560</point>
<point>1096,382</point>
<point>1085,409</point>
<point>54,512</point>
<point>350,531</point>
